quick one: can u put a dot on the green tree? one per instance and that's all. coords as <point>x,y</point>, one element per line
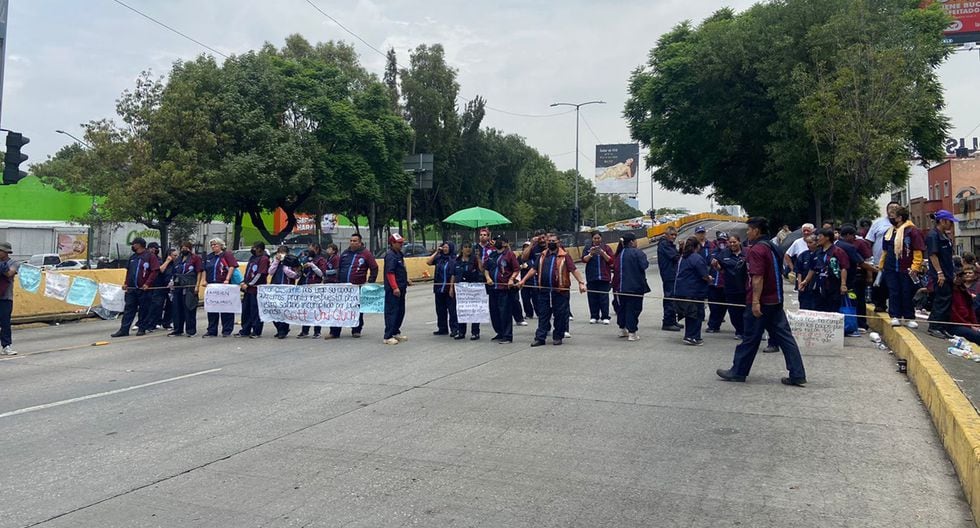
<point>795,108</point>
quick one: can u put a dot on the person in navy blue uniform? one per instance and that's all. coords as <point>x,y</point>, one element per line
<point>629,282</point>
<point>731,263</point>
<point>941,271</point>
<point>529,258</point>
<point>160,290</point>
<point>141,272</point>
<point>667,259</point>
<point>764,310</point>
<point>219,266</point>
<point>806,293</point>
<point>357,266</point>
<point>828,272</point>
<point>716,289</point>
<point>691,290</point>
<point>527,294</point>
<point>283,269</point>
<point>256,274</point>
<point>598,273</point>
<point>396,286</point>
<point>500,270</point>
<point>855,270</point>
<point>444,261</point>
<point>312,271</point>
<point>188,275</point>
<point>469,268</point>
<point>554,271</point>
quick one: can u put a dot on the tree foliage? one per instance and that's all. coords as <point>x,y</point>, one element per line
<point>795,109</point>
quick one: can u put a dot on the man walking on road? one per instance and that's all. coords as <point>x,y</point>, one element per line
<point>8,268</point>
<point>667,259</point>
<point>764,298</point>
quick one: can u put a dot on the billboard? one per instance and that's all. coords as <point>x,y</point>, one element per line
<point>966,20</point>
<point>72,246</point>
<point>616,168</point>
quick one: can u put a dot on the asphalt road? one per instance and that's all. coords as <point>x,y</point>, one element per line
<point>169,432</point>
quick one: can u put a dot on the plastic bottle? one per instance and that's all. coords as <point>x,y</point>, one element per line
<point>956,351</point>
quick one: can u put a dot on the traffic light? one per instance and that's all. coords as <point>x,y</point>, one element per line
<point>12,160</point>
<point>576,218</point>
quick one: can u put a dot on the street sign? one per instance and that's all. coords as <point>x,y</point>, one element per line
<point>422,166</point>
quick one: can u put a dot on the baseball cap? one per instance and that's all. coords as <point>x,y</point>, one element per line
<point>153,245</point>
<point>700,229</point>
<point>395,238</point>
<point>6,248</point>
<point>721,235</point>
<point>943,214</point>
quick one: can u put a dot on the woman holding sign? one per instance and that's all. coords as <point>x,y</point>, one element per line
<point>283,270</point>
<point>469,268</point>
<point>219,267</point>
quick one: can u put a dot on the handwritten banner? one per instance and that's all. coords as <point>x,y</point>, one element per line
<point>310,305</point>
<point>817,330</point>
<point>113,297</point>
<point>56,285</point>
<point>223,298</point>
<point>30,277</point>
<point>472,303</point>
<point>372,298</point>
<point>82,292</point>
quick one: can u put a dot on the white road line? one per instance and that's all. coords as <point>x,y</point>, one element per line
<point>101,394</point>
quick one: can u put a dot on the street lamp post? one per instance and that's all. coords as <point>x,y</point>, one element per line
<point>93,212</point>
<point>577,213</point>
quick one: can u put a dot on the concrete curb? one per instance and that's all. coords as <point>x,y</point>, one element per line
<point>955,418</point>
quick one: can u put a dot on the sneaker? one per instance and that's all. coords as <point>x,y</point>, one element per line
<point>475,337</point>
<point>853,334</point>
<point>895,322</point>
<point>912,324</point>
<point>671,328</point>
<point>459,336</point>
<point>770,350</point>
<point>692,342</point>
<point>302,335</point>
<point>798,382</point>
<point>522,323</point>
<point>120,334</point>
<point>623,332</point>
<point>537,343</point>
<point>633,337</point>
<point>571,317</point>
<point>728,376</point>
<point>593,321</point>
<point>391,341</point>
<point>939,334</point>
<point>557,342</point>
<point>355,335</point>
<point>739,337</point>
<point>330,336</point>
<point>440,332</point>
<point>400,338</point>
<point>140,333</point>
<point>605,322</point>
<point>568,335</point>
<point>7,351</point>
<point>174,334</point>
<point>711,331</point>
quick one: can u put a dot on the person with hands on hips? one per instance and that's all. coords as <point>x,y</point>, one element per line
<point>396,283</point>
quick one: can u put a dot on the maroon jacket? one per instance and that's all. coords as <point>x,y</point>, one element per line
<point>142,269</point>
<point>962,310</point>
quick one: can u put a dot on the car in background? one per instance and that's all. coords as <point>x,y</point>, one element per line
<point>242,255</point>
<point>71,265</point>
<point>44,260</point>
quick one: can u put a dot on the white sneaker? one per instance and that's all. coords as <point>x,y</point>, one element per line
<point>400,338</point>
<point>623,332</point>
<point>912,324</point>
<point>633,337</point>
<point>571,317</point>
<point>391,341</point>
<point>593,321</point>
<point>568,335</point>
<point>8,351</point>
<point>522,323</point>
<point>605,321</point>
<point>896,322</point>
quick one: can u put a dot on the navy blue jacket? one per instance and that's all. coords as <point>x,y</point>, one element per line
<point>667,259</point>
<point>630,271</point>
<point>445,268</point>
<point>690,278</point>
<point>734,269</point>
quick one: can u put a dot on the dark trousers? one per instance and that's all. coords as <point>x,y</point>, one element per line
<point>227,323</point>
<point>736,314</point>
<point>155,313</point>
<point>527,301</point>
<point>808,300</point>
<point>316,331</point>
<point>716,311</point>
<point>942,303</point>
<point>552,304</point>
<point>828,301</point>
<point>251,323</point>
<point>445,312</point>
<point>6,311</point>
<point>461,329</point>
<point>628,314</point>
<point>879,296</point>
<point>901,292</point>
<point>774,322</point>
<point>168,310</point>
<point>282,329</point>
<point>185,317</point>
<point>394,312</point>
<point>516,308</point>
<point>693,311</point>
<point>670,315</point>
<point>966,332</point>
<point>137,303</point>
<point>335,330</point>
<point>861,291</point>
<point>598,299</point>
<point>500,314</point>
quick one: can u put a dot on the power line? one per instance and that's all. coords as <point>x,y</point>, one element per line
<point>355,35</point>
<point>587,125</point>
<point>155,21</point>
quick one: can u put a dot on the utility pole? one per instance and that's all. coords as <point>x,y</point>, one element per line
<point>3,46</point>
<point>577,214</point>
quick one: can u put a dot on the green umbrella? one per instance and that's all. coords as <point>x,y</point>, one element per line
<point>476,217</point>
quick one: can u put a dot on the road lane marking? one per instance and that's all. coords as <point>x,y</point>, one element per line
<point>101,394</point>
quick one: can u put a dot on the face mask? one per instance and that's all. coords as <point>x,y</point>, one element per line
<point>893,221</point>
<point>185,252</point>
<point>499,245</point>
<point>133,248</point>
<point>552,246</point>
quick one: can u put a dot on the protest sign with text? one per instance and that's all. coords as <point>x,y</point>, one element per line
<point>472,303</point>
<point>310,305</point>
<point>223,298</point>
<point>817,330</point>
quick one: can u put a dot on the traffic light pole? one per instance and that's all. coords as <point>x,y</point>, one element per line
<point>3,47</point>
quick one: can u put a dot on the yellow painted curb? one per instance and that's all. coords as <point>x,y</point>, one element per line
<point>955,418</point>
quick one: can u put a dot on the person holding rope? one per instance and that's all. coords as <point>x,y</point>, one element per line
<point>629,282</point>
<point>597,269</point>
<point>256,273</point>
<point>764,297</point>
<point>554,269</point>
<point>141,272</point>
<point>444,260</point>
<point>500,271</point>
<point>187,275</point>
<point>357,266</point>
<point>691,290</point>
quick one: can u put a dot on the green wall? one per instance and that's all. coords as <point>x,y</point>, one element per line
<point>30,199</point>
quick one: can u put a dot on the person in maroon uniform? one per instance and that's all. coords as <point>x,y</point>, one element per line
<point>141,272</point>
<point>500,270</point>
<point>187,276</point>
<point>313,271</point>
<point>219,266</point>
<point>256,273</point>
<point>357,266</point>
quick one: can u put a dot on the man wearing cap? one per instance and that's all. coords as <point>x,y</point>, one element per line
<point>141,272</point>
<point>8,269</point>
<point>941,271</point>
<point>500,270</point>
<point>667,259</point>
<point>357,266</point>
<point>396,284</point>
<point>158,295</point>
<point>764,297</point>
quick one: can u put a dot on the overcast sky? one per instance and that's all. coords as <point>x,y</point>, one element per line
<point>68,60</point>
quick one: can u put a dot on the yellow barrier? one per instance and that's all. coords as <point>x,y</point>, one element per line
<point>955,418</point>
<point>659,230</point>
